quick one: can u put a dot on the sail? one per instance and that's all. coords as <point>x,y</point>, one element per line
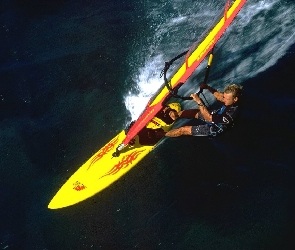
<point>193,59</point>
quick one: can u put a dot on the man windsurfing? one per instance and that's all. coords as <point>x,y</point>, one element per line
<point>215,122</point>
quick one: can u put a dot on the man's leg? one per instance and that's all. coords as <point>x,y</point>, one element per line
<point>186,130</point>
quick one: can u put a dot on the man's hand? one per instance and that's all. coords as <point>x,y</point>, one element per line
<point>207,116</point>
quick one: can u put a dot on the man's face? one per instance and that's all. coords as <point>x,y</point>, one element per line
<point>228,99</point>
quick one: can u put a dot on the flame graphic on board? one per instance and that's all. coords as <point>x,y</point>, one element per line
<point>124,163</point>
<point>107,148</point>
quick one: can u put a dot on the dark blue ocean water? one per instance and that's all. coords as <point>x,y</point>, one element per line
<point>74,73</point>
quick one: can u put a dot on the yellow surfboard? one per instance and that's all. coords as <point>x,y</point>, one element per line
<point>100,171</point>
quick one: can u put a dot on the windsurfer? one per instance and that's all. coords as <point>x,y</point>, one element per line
<point>215,122</point>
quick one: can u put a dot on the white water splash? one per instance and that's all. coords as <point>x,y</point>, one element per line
<point>148,83</point>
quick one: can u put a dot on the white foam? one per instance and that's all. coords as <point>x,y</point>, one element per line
<point>148,82</point>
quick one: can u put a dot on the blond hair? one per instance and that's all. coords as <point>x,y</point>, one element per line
<point>235,89</point>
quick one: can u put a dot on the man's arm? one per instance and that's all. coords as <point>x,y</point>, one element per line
<point>217,95</point>
<point>204,111</point>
